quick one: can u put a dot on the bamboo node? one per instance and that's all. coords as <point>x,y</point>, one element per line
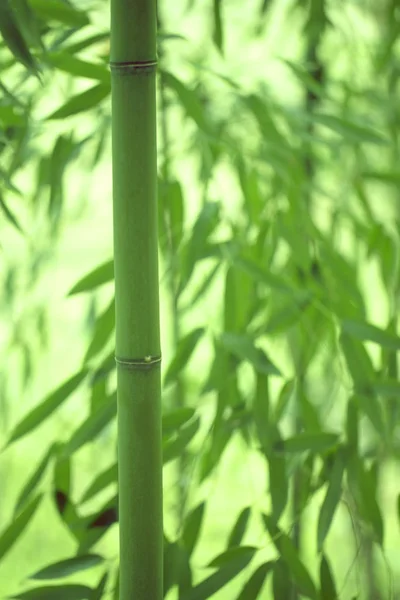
<point>134,67</point>
<point>138,363</point>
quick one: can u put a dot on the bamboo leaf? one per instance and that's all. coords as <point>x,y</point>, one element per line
<point>328,589</point>
<point>104,328</point>
<point>332,498</point>
<point>174,419</point>
<point>252,587</point>
<point>55,10</point>
<point>103,480</point>
<point>41,412</point>
<point>65,568</point>
<point>27,22</point>
<point>350,130</point>
<point>97,38</point>
<point>192,527</point>
<point>212,584</point>
<point>64,61</point>
<point>99,276</point>
<point>358,361</point>
<point>92,427</point>
<point>288,552</point>
<point>173,447</point>
<point>56,592</point>
<point>13,37</point>
<point>242,347</point>
<point>278,485</point>
<point>188,99</point>
<point>218,35</point>
<point>231,554</point>
<point>314,442</point>
<point>10,535</point>
<point>33,482</point>
<point>366,332</point>
<point>281,581</point>
<point>184,351</point>
<point>10,215</point>
<point>82,102</point>
<point>263,276</point>
<point>239,529</point>
<point>98,593</point>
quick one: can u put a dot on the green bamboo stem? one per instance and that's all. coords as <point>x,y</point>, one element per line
<point>134,154</point>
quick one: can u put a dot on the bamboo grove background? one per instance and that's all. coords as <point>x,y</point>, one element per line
<point>279,279</point>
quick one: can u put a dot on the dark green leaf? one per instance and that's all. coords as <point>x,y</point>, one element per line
<point>103,480</point>
<point>253,586</point>
<point>10,215</point>
<point>239,529</point>
<point>13,37</point>
<point>288,552</point>
<point>281,581</point>
<point>218,36</point>
<point>55,10</point>
<point>184,351</point>
<point>34,480</point>
<point>278,484</point>
<point>99,276</point>
<point>64,568</point>
<point>10,535</point>
<point>263,276</point>
<point>370,333</point>
<point>98,593</point>
<point>242,346</point>
<point>189,100</point>
<point>41,412</point>
<point>358,361</point>
<point>92,427</point>
<point>314,442</point>
<point>97,38</point>
<point>82,102</point>
<point>104,328</point>
<point>192,527</point>
<point>230,555</point>
<point>328,589</point>
<point>173,447</point>
<point>332,498</point>
<point>56,592</point>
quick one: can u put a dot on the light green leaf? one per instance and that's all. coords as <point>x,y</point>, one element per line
<point>263,276</point>
<point>103,480</point>
<point>173,447</point>
<point>184,351</point>
<point>64,568</point>
<point>242,347</point>
<point>104,328</point>
<point>32,483</point>
<point>314,442</point>
<point>366,332</point>
<point>175,418</point>
<point>358,361</point>
<point>253,586</point>
<point>61,12</point>
<point>68,63</point>
<point>41,412</point>
<point>82,102</point>
<point>390,177</point>
<point>192,527</point>
<point>10,535</point>
<point>99,276</point>
<point>239,529</point>
<point>332,498</point>
<point>56,592</point>
<point>350,130</point>
<point>92,427</point>
<point>10,215</point>
<point>188,99</point>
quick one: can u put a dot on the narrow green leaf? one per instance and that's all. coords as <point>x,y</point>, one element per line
<point>65,568</point>
<point>372,408</point>
<point>10,215</point>
<point>55,10</point>
<point>242,347</point>
<point>212,584</point>
<point>288,552</point>
<point>358,361</point>
<point>32,483</point>
<point>239,529</point>
<point>98,593</point>
<point>192,527</point>
<point>263,276</point>
<point>314,442</point>
<point>64,61</point>
<point>174,419</point>
<point>278,484</point>
<point>218,34</point>
<point>56,592</point>
<point>104,328</point>
<point>350,130</point>
<point>10,535</point>
<point>82,102</point>
<point>281,581</point>
<point>252,587</point>
<point>230,555</point>
<point>188,99</point>
<point>13,37</point>
<point>184,351</point>
<point>390,177</point>
<point>100,482</point>
<point>41,412</point>
<point>366,332</point>
<point>92,427</point>
<point>332,498</point>
<point>173,447</point>
<point>327,583</point>
<point>97,38</point>
<point>99,276</point>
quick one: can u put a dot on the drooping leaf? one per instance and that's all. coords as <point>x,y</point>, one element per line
<point>327,583</point>
<point>173,447</point>
<point>82,102</point>
<point>32,483</point>
<point>188,99</point>
<point>92,427</point>
<point>183,353</point>
<point>278,484</point>
<point>231,554</point>
<point>67,567</point>
<point>98,593</point>
<point>56,592</point>
<point>10,215</point>
<point>41,412</point>
<point>175,418</point>
<point>10,535</point>
<point>97,38</point>
<point>366,332</point>
<point>192,527</point>
<point>13,37</point>
<point>100,482</point>
<point>242,346</point>
<point>314,442</point>
<point>239,528</point>
<point>99,276</point>
<point>218,33</point>
<point>252,588</point>
<point>350,130</point>
<point>288,552</point>
<point>281,581</point>
<point>104,328</point>
<point>61,12</point>
<point>263,276</point>
<point>358,361</point>
<point>332,498</point>
<point>66,62</point>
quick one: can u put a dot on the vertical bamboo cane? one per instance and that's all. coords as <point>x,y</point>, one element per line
<point>133,69</point>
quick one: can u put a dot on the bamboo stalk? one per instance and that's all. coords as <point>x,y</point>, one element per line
<point>134,156</point>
